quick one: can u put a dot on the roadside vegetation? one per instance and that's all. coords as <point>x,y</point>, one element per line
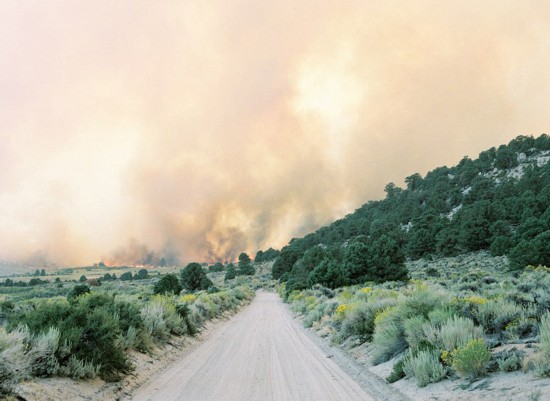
<point>463,316</point>
<point>81,331</point>
<point>445,277</point>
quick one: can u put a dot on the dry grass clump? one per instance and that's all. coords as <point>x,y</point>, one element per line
<point>424,366</point>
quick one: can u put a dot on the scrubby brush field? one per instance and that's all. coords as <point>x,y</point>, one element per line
<point>91,331</point>
<point>460,320</point>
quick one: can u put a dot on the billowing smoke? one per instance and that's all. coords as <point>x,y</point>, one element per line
<point>203,129</point>
<point>135,254</point>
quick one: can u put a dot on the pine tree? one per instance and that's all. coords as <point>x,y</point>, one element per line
<point>245,265</point>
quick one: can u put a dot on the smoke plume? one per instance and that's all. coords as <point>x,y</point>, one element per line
<point>134,129</point>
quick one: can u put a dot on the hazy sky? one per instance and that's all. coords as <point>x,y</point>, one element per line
<point>205,128</point>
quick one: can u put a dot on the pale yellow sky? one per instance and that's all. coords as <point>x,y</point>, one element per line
<point>204,129</point>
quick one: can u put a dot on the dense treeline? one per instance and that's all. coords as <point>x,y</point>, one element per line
<point>498,202</point>
<point>266,256</point>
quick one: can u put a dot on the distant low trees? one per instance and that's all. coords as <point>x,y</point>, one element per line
<point>266,256</point>
<point>77,291</point>
<point>245,265</point>
<point>217,267</point>
<point>330,273</point>
<point>533,252</point>
<point>230,272</point>
<point>142,274</point>
<point>126,276</point>
<point>362,260</point>
<point>286,259</point>
<point>37,281</point>
<point>193,278</point>
<point>39,272</point>
<point>168,284</point>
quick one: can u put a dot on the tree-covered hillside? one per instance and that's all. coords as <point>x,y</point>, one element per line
<point>499,201</point>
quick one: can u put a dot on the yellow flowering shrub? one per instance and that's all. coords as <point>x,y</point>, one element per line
<point>475,300</point>
<point>382,315</point>
<point>189,298</point>
<point>471,360</point>
<point>341,311</point>
<point>446,357</point>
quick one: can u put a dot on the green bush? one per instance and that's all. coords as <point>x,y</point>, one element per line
<point>182,309</point>
<point>206,307</point>
<point>495,315</point>
<point>439,316</point>
<point>360,320</point>
<point>127,276</point>
<point>193,278</point>
<point>423,301</point>
<point>15,364</point>
<point>389,337</point>
<point>397,372</point>
<point>98,344</point>
<point>168,284</point>
<point>356,322</point>
<point>471,360</point>
<point>230,273</point>
<point>90,335</point>
<point>424,366</point>
<point>521,328</point>
<point>544,333</point>
<point>541,365</point>
<point>87,330</point>
<point>40,315</point>
<point>43,350</point>
<point>160,318</point>
<point>414,331</point>
<point>245,265</point>
<point>509,361</point>
<point>77,369</point>
<point>316,313</point>
<point>77,291</point>
<point>541,361</point>
<point>454,333</point>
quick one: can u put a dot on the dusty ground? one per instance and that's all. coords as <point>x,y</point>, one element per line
<point>261,354</point>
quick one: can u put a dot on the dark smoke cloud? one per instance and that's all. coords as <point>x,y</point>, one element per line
<point>203,129</point>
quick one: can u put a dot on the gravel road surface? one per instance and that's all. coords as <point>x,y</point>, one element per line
<point>261,354</point>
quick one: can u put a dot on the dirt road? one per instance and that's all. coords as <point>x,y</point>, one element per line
<point>259,355</point>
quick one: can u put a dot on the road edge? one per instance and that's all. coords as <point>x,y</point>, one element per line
<point>368,381</point>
